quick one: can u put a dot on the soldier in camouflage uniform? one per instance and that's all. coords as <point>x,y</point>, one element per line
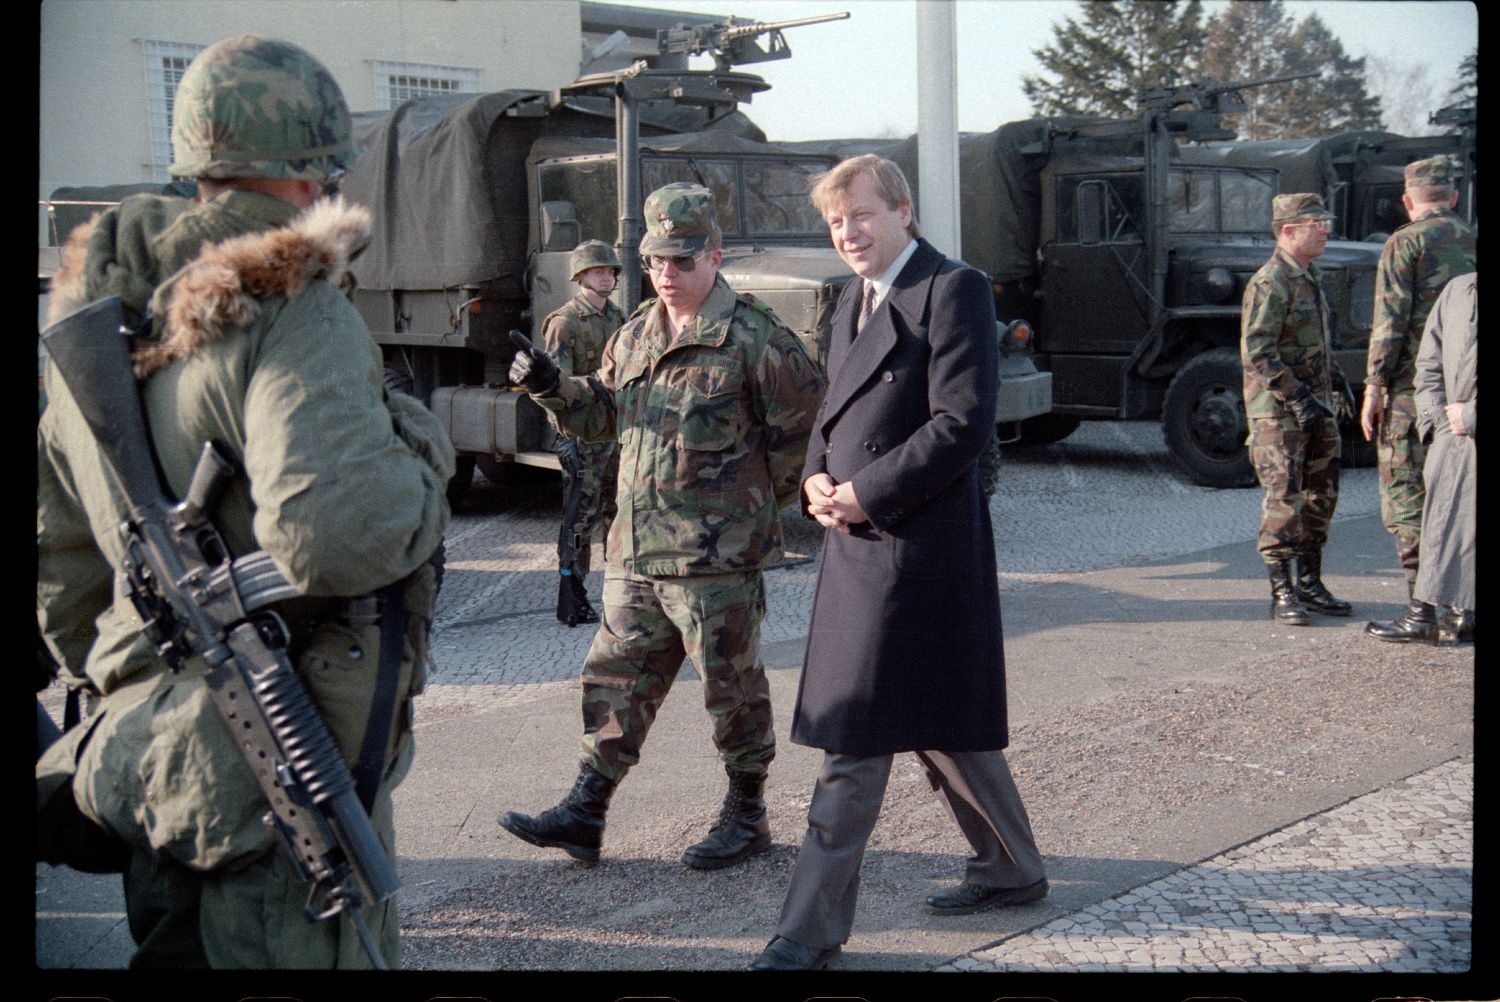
<point>574,335</point>
<point>1290,380</point>
<point>1419,259</point>
<point>712,400</point>
<point>252,344</point>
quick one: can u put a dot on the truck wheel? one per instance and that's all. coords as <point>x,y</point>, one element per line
<point>463,479</point>
<point>1203,420</point>
<point>1044,429</point>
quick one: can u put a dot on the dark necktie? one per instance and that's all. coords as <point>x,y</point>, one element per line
<point>866,306</point>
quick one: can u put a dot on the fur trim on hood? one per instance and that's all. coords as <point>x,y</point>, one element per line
<point>219,292</point>
<point>65,293</point>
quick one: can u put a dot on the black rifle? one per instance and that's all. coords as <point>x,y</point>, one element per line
<point>197,601</point>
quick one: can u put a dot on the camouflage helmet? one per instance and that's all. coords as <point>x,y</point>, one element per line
<point>255,107</point>
<point>592,254</point>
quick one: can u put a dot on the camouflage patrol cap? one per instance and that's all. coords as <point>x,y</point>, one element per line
<point>1434,172</point>
<point>680,219</point>
<point>255,107</point>
<point>1300,207</point>
<point>591,254</point>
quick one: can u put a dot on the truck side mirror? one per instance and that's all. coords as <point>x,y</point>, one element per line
<point>1088,212</point>
<point>559,226</point>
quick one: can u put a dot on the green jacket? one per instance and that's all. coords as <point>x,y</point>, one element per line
<point>574,334</point>
<point>1284,337</point>
<point>255,347</point>
<point>712,427</point>
<point>1416,262</point>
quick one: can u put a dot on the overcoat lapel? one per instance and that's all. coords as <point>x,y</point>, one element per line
<point>852,360</point>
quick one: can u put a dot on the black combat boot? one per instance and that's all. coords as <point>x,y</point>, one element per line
<point>581,604</point>
<point>1311,591</point>
<point>575,826</point>
<point>742,829</point>
<point>1455,626</point>
<point>1419,623</point>
<point>567,600</point>
<point>1284,605</point>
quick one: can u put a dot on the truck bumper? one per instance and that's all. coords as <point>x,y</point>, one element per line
<point>1024,392</point>
<point>496,422</point>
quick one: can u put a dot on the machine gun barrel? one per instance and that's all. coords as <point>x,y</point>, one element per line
<point>731,42</point>
<point>1205,96</point>
<point>753,28</point>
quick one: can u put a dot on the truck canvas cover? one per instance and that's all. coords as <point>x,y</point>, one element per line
<point>441,176</point>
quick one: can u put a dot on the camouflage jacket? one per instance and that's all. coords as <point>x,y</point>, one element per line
<point>712,426</point>
<point>1417,261</point>
<point>574,334</point>
<point>1284,337</point>
<point>258,349</point>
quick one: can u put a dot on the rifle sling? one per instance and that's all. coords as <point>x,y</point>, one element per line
<point>371,765</point>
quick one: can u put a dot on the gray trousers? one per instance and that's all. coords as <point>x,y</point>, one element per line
<point>980,795</point>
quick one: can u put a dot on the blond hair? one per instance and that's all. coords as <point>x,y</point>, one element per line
<point>890,184</point>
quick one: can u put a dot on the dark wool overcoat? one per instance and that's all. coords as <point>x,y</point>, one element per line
<point>904,651</point>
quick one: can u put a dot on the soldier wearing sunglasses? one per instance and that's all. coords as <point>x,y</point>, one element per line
<point>711,400</point>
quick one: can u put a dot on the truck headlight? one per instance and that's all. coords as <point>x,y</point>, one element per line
<point>1218,285</point>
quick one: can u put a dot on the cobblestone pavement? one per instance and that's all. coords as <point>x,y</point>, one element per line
<point>1382,883</point>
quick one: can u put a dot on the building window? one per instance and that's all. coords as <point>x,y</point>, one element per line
<point>397,82</point>
<point>165,64</point>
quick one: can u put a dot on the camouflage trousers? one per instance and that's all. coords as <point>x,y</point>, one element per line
<point>649,625</point>
<point>1400,453</point>
<point>590,472</point>
<point>1300,474</point>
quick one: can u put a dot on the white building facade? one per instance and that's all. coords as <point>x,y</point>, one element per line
<point>109,68</point>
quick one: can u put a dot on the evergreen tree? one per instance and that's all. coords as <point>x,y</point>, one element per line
<point>1105,64</point>
<point>1337,100</point>
<point>1466,88</point>
<point>1247,41</point>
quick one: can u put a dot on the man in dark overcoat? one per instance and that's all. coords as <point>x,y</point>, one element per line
<point>904,650</point>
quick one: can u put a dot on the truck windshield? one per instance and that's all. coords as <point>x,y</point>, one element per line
<point>1220,201</point>
<point>757,198</point>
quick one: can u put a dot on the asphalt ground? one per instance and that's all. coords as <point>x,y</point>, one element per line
<point>1168,738</point>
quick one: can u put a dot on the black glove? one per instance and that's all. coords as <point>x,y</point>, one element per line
<point>1347,404</point>
<point>531,368</point>
<point>1308,410</point>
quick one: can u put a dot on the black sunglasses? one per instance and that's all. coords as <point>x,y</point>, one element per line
<point>682,262</point>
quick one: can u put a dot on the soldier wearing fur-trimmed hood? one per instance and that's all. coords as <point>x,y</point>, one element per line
<point>247,341</point>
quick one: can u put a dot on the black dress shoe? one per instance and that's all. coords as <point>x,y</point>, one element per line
<point>968,898</point>
<point>781,954</point>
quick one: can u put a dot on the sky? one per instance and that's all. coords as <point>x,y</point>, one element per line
<point>858,77</point>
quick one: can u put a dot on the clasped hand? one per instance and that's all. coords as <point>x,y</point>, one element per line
<point>834,506</point>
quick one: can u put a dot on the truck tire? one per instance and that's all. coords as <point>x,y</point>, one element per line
<point>1045,429</point>
<point>1203,420</point>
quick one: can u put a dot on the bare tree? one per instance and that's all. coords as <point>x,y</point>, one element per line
<point>1407,94</point>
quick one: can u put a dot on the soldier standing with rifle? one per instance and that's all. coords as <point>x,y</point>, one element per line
<point>574,335</point>
<point>286,600</point>
<point>1417,262</point>
<point>1291,378</point>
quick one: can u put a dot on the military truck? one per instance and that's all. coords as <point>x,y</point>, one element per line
<point>1129,259</point>
<point>479,200</point>
<point>1360,174</point>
